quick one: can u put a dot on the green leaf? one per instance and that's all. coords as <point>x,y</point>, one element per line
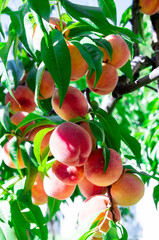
<point>109,9</point>
<point>57,60</point>
<point>37,143</point>
<point>5,47</point>
<point>126,16</point>
<point>30,163</point>
<point>53,207</point>
<point>111,234</point>
<point>42,8</point>
<point>17,18</point>
<point>132,143</point>
<point>5,118</point>
<point>156,195</point>
<point>106,154</point>
<point>105,44</point>
<point>126,69</point>
<point>97,57</point>
<point>111,128</point>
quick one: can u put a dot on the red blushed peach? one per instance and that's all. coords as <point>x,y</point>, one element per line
<point>38,34</point>
<point>121,53</point>
<point>18,117</point>
<point>107,81</point>
<point>79,66</point>
<point>89,189</point>
<point>128,190</point>
<point>70,144</point>
<point>7,157</point>
<point>94,168</point>
<point>47,86</point>
<point>100,205</point>
<point>25,98</point>
<point>46,138</point>
<point>149,7</point>
<point>56,188</point>
<point>70,175</point>
<point>74,104</point>
<point>86,126</point>
<point>38,194</point>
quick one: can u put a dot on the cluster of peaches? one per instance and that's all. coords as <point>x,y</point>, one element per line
<point>78,161</point>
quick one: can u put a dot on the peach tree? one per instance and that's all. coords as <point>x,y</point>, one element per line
<point>78,114</point>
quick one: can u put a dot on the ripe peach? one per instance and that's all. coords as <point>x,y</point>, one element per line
<point>18,117</point>
<point>74,104</point>
<point>25,98</point>
<point>46,139</point>
<point>94,168</point>
<point>86,126</point>
<point>107,81</point>
<point>128,190</point>
<point>70,175</point>
<point>79,66</point>
<point>100,205</point>
<point>70,144</point>
<point>149,7</point>
<point>56,188</point>
<point>7,158</point>
<point>38,194</point>
<point>47,86</point>
<point>89,189</point>
<point>120,49</point>
<point>38,34</point>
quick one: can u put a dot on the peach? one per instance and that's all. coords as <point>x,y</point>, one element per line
<point>47,86</point>
<point>70,175</point>
<point>128,190</point>
<point>79,66</point>
<point>25,98</point>
<point>7,157</point>
<point>38,34</point>
<point>56,188</point>
<point>70,144</point>
<point>107,81</point>
<point>89,189</point>
<point>101,206</point>
<point>38,194</point>
<point>94,168</point>
<point>46,138</point>
<point>86,126</point>
<point>18,117</point>
<point>121,53</point>
<point>149,7</point>
<point>74,104</point>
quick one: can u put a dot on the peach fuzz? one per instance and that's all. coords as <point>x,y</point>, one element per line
<point>38,34</point>
<point>25,98</point>
<point>107,81</point>
<point>94,168</point>
<point>47,86</point>
<point>86,126</point>
<point>149,7</point>
<point>74,104</point>
<point>89,189</point>
<point>128,190</point>
<point>45,141</point>
<point>99,205</point>
<point>56,188</point>
<point>18,117</point>
<point>121,53</point>
<point>70,144</point>
<point>7,158</point>
<point>70,175</point>
<point>79,66</point>
<point>38,194</point>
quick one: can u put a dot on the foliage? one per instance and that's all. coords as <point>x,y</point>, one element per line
<point>132,129</point>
